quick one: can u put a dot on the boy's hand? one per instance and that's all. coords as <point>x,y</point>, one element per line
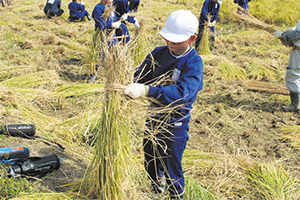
<point>116,24</point>
<point>124,17</point>
<point>136,23</point>
<point>136,90</point>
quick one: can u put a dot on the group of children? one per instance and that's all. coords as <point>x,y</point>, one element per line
<point>172,75</point>
<point>117,19</point>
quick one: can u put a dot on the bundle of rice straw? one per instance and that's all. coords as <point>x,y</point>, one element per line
<point>205,42</point>
<point>204,46</point>
<point>252,21</point>
<point>92,57</point>
<point>256,23</point>
<point>109,174</point>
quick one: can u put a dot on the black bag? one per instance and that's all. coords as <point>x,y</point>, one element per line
<point>36,167</point>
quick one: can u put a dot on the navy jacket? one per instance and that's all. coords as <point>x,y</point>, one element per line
<point>122,7</point>
<point>52,6</point>
<point>173,81</point>
<point>75,9</point>
<point>209,8</point>
<point>242,3</point>
<point>100,22</point>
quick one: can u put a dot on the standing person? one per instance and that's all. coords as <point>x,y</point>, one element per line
<point>122,8</point>
<point>7,1</point>
<point>134,5</point>
<point>77,11</point>
<point>243,8</point>
<point>210,9</point>
<point>291,37</point>
<point>105,20</point>
<point>171,76</point>
<point>53,8</point>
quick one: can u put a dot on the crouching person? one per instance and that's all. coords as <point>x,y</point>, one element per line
<point>53,8</point>
<point>77,11</point>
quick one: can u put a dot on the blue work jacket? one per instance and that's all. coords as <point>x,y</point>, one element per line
<point>75,9</point>
<point>100,22</point>
<point>173,81</point>
<point>209,8</point>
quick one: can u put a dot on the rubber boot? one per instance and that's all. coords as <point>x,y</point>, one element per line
<point>295,103</point>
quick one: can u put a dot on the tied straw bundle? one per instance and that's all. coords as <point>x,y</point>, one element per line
<point>205,42</point>
<point>109,176</point>
<point>254,22</point>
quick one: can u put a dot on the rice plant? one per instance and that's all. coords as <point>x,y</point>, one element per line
<point>204,46</point>
<point>272,181</point>
<point>230,71</point>
<point>109,175</point>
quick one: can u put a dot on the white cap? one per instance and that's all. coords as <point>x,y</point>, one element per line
<point>180,26</point>
<point>220,1</point>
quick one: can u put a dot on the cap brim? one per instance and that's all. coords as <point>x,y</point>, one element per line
<point>173,37</point>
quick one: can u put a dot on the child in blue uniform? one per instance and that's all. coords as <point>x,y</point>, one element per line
<point>210,8</point>
<point>101,24</point>
<point>171,76</point>
<point>122,8</point>
<point>243,7</point>
<point>53,8</point>
<point>77,11</point>
<point>134,5</point>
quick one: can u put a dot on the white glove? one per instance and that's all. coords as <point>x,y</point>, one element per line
<point>213,23</point>
<point>116,24</point>
<point>136,23</point>
<point>124,17</point>
<point>209,24</point>
<point>277,33</point>
<point>136,90</point>
<point>81,2</point>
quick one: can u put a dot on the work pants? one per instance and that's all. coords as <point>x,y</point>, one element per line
<point>163,155</point>
<point>292,76</point>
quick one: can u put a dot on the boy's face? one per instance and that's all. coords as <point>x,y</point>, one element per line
<point>180,47</point>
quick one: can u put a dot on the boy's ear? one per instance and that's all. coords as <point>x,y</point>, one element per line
<point>192,39</point>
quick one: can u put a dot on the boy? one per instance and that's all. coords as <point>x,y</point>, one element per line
<point>103,23</point>
<point>210,9</point>
<point>291,37</point>
<point>243,8</point>
<point>77,11</point>
<point>134,5</point>
<point>171,76</point>
<point>122,8</point>
<point>53,8</point>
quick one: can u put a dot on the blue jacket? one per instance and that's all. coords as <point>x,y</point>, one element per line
<point>211,8</point>
<point>122,7</point>
<point>172,81</point>
<point>242,3</point>
<point>52,6</point>
<point>100,22</point>
<point>75,9</point>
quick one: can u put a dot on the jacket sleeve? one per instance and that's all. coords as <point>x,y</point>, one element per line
<point>97,15</point>
<point>204,10</point>
<point>290,36</point>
